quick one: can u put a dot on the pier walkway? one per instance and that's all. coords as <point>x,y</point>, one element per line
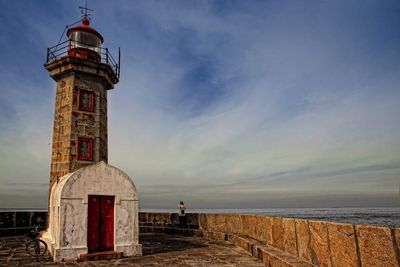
<point>158,250</point>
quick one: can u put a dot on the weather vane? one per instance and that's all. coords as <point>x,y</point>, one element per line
<point>84,10</point>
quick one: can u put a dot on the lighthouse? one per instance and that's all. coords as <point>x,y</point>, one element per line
<point>93,206</point>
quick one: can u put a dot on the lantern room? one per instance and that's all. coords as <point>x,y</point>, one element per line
<point>85,42</point>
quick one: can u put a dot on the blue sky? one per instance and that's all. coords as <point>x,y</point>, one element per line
<point>220,103</point>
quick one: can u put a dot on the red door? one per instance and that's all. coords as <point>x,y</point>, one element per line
<point>100,223</point>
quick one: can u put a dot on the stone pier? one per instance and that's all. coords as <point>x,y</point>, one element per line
<point>239,240</point>
<point>290,242</point>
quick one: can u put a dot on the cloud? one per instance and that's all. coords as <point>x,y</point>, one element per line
<point>218,98</point>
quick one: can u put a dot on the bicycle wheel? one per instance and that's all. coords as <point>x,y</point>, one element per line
<point>31,248</point>
<point>36,247</point>
<point>42,247</point>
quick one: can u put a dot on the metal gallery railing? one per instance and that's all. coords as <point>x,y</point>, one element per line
<point>65,48</point>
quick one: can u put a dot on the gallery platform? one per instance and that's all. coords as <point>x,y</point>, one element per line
<point>158,250</point>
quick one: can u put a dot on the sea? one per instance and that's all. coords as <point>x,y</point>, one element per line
<point>385,216</point>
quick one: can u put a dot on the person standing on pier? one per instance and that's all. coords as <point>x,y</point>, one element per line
<point>182,214</point>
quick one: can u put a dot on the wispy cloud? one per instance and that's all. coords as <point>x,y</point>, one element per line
<point>222,96</point>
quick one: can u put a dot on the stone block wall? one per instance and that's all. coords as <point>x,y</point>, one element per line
<point>71,122</point>
<point>21,222</point>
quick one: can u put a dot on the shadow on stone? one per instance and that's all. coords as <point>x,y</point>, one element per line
<point>162,243</point>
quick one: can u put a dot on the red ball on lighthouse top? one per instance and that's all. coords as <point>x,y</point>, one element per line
<point>85,21</point>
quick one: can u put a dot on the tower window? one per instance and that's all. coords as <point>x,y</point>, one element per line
<point>86,100</point>
<point>85,148</point>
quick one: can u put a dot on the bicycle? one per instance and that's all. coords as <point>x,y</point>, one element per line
<point>35,247</point>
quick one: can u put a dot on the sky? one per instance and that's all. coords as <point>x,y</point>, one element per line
<point>222,104</point>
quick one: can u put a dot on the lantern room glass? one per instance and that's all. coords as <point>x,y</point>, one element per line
<point>81,39</point>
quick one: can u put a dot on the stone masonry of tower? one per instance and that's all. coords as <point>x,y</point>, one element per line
<point>80,117</point>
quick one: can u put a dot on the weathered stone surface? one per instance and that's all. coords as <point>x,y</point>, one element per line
<point>342,242</point>
<point>192,220</point>
<point>289,236</point>
<point>319,243</point>
<point>277,233</point>
<point>250,225</point>
<point>174,219</point>
<point>71,121</point>
<point>397,238</point>
<point>216,222</point>
<point>376,246</point>
<point>268,226</point>
<point>23,219</point>
<point>258,226</point>
<point>247,225</point>
<point>159,219</point>
<point>262,228</point>
<point>143,217</point>
<point>203,224</point>
<point>240,242</point>
<point>158,250</point>
<point>8,219</point>
<point>303,239</point>
<point>233,223</point>
<point>215,235</point>
<point>21,222</point>
<point>274,257</point>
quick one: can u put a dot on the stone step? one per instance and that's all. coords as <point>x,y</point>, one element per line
<point>270,256</point>
<point>103,255</point>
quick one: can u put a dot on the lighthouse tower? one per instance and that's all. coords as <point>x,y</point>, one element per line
<point>84,71</point>
<point>93,206</point>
